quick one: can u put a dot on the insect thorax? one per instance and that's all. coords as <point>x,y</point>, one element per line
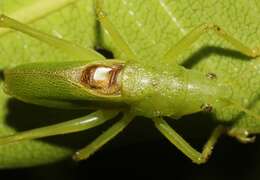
<point>173,91</point>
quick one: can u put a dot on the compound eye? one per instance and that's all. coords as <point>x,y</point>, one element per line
<point>103,79</point>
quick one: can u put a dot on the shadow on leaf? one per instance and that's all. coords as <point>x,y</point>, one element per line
<point>206,51</point>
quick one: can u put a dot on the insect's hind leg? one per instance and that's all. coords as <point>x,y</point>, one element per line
<point>104,138</point>
<point>75,125</point>
<point>195,34</point>
<point>68,47</point>
<point>116,37</point>
<point>184,146</point>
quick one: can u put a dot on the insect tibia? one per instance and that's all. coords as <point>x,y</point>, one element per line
<point>241,108</point>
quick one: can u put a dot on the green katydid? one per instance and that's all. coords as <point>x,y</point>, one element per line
<point>114,86</point>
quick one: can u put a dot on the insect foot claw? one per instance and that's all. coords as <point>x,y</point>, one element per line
<point>246,140</point>
<point>242,136</point>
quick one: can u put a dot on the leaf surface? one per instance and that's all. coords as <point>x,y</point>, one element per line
<point>150,27</point>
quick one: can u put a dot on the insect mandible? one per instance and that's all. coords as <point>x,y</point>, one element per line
<point>124,86</point>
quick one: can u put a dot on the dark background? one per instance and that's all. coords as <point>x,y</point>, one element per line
<point>156,159</point>
<point>140,151</point>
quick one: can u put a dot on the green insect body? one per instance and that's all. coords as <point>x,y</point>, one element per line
<point>113,86</point>
<point>185,91</point>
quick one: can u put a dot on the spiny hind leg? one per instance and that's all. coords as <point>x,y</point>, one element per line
<point>104,138</point>
<point>116,37</point>
<point>184,146</point>
<point>196,33</point>
<point>68,47</point>
<point>75,125</point>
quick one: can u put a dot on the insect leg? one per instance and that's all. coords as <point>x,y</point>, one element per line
<point>239,133</point>
<point>195,34</point>
<point>117,38</point>
<point>66,46</point>
<point>184,146</point>
<point>242,135</point>
<point>75,125</point>
<point>104,138</point>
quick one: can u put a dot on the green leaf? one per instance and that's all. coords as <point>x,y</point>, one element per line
<point>150,27</point>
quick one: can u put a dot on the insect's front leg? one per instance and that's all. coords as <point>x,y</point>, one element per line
<point>195,34</point>
<point>68,47</point>
<point>184,146</point>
